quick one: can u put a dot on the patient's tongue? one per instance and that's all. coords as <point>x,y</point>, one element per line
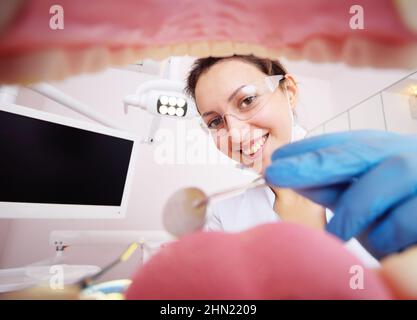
<point>272,261</point>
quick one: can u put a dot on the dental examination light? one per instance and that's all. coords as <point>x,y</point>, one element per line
<point>162,98</point>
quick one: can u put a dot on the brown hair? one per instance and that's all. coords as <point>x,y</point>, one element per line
<point>267,66</point>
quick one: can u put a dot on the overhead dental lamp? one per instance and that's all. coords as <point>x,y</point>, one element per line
<point>162,98</point>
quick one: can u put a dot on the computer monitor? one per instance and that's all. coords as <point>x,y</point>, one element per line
<point>56,167</point>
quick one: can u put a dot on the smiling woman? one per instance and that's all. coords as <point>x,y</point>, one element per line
<point>239,101</point>
<point>247,103</point>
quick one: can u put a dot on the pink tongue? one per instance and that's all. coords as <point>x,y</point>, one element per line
<point>272,261</point>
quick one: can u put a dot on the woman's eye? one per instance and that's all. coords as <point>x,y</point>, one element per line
<point>247,102</point>
<point>215,123</point>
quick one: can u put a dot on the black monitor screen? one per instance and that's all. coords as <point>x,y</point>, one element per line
<point>45,162</point>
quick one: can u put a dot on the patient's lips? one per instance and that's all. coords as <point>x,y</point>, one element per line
<point>272,261</point>
<point>99,33</point>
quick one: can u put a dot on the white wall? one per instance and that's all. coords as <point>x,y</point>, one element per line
<point>398,113</point>
<point>348,86</point>
<point>368,115</point>
<point>314,101</point>
<point>385,111</point>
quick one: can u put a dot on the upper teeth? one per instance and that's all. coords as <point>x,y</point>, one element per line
<point>255,147</point>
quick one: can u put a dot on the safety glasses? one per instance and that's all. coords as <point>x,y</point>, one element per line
<point>244,103</point>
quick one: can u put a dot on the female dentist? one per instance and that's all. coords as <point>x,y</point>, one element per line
<point>369,179</point>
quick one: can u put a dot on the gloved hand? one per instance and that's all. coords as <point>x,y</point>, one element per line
<point>367,178</point>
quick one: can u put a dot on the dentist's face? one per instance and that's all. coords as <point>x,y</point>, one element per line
<point>253,141</point>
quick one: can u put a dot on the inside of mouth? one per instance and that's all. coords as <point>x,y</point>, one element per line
<point>32,50</point>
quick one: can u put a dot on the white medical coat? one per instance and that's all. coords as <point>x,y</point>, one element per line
<point>255,207</point>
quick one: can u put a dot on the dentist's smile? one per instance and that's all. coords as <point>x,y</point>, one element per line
<point>254,148</point>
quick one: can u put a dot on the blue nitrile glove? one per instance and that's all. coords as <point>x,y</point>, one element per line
<point>367,178</point>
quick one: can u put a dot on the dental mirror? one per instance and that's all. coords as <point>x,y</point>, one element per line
<point>185,210</point>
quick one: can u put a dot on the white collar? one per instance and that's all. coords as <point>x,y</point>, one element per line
<point>271,195</point>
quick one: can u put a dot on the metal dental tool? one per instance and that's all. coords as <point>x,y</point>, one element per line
<point>185,210</point>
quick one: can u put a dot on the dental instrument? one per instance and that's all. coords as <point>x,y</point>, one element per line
<point>185,210</point>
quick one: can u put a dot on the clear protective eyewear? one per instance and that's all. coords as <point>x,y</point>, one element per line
<point>244,104</point>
